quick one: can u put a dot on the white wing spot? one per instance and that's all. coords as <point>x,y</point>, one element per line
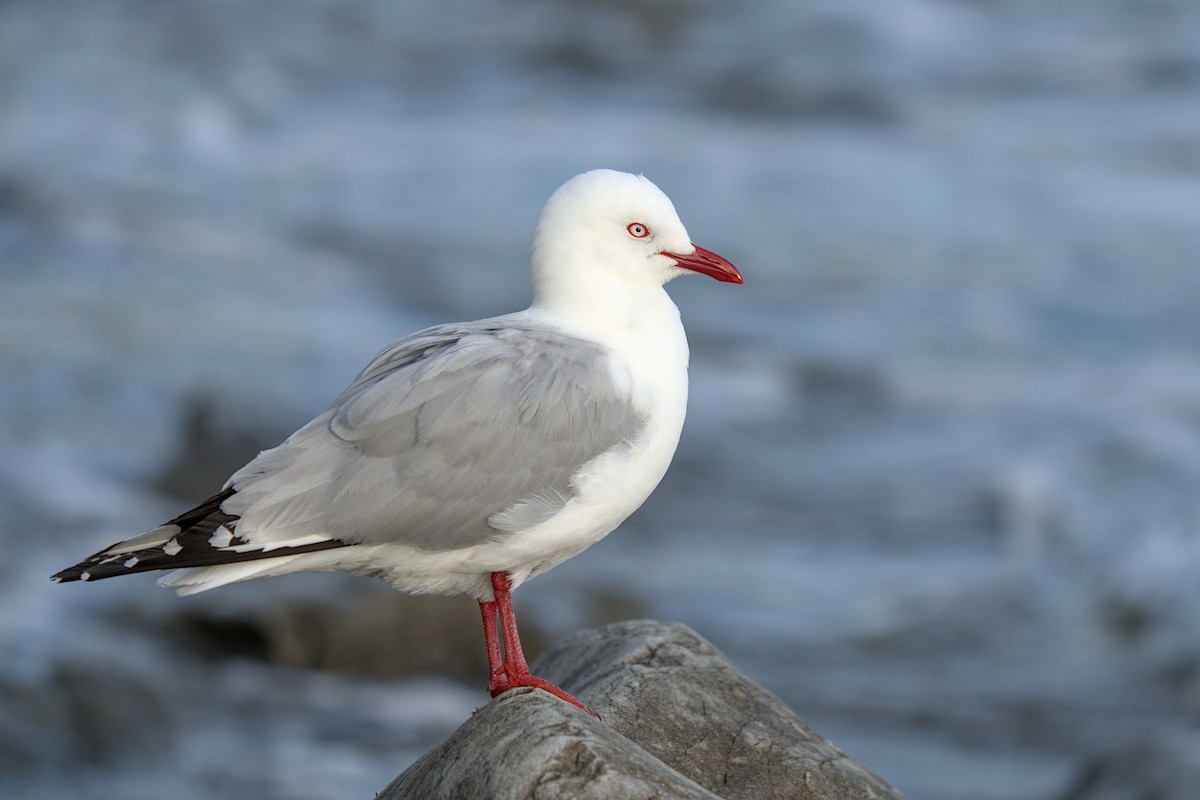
<point>131,562</point>
<point>221,537</point>
<point>85,576</point>
<point>172,547</point>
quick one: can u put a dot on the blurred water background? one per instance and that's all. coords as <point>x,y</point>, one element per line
<point>940,483</point>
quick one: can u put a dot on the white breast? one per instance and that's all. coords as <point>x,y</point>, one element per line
<point>649,366</point>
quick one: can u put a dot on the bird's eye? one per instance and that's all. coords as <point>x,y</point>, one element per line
<point>637,230</point>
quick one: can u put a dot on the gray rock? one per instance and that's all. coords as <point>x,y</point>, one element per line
<point>528,744</point>
<point>679,720</point>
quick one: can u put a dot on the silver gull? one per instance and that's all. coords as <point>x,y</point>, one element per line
<point>467,458</point>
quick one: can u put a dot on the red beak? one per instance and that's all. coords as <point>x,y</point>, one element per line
<point>708,263</point>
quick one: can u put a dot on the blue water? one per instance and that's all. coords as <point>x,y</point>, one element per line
<point>938,488</point>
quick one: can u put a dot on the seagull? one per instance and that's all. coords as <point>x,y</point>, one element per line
<point>469,457</point>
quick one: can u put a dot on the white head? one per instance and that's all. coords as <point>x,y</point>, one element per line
<point>604,236</point>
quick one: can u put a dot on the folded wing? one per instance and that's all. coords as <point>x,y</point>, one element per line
<point>450,437</point>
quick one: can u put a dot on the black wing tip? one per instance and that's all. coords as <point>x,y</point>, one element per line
<point>201,520</point>
<point>154,559</point>
<point>189,547</point>
<point>79,572</point>
<point>92,569</point>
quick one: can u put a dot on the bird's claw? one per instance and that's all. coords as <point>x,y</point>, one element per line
<point>503,680</point>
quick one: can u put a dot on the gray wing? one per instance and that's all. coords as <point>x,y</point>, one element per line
<point>448,438</point>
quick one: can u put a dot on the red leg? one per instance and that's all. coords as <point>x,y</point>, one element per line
<point>497,680</point>
<point>513,671</point>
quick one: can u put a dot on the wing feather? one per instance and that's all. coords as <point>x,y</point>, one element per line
<point>449,437</point>
<point>436,437</point>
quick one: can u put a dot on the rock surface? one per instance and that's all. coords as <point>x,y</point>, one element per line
<point>679,721</point>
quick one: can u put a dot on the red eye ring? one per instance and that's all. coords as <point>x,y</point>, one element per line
<point>637,230</point>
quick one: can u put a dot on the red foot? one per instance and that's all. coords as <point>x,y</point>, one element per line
<point>502,682</point>
<point>511,672</point>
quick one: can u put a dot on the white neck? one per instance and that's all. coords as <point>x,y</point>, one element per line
<point>626,321</point>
